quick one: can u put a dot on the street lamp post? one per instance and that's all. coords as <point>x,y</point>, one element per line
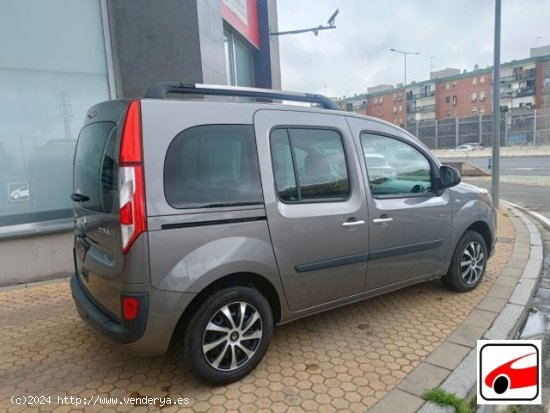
<point>495,176</point>
<point>405,83</point>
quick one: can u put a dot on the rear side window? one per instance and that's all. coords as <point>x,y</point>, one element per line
<point>213,166</point>
<point>309,165</point>
<point>95,166</point>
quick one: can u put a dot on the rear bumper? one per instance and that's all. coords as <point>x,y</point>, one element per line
<point>151,334</point>
<point>119,332</point>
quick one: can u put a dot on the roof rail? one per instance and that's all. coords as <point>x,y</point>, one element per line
<point>161,89</point>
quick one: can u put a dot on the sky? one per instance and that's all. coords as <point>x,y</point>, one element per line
<point>355,55</point>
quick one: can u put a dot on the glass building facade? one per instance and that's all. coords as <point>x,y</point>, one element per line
<point>52,69</point>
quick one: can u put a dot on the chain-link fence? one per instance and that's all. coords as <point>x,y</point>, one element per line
<point>517,128</point>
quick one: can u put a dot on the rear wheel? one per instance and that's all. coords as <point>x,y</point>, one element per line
<point>468,265</point>
<point>228,335</point>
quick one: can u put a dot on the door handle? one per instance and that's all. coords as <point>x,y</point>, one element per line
<point>353,223</point>
<point>382,220</point>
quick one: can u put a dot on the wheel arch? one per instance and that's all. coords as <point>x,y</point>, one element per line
<point>482,229</point>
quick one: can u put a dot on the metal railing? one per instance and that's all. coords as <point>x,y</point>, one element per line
<point>519,127</point>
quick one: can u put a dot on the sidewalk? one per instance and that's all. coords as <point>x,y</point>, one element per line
<point>452,366</point>
<point>380,353</point>
<point>540,180</point>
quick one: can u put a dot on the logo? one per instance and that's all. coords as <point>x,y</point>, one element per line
<point>105,231</point>
<point>508,371</point>
<point>19,192</point>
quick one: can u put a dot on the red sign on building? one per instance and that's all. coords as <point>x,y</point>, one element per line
<point>242,15</point>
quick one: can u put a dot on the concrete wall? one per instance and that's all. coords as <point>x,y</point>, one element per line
<point>212,49</point>
<point>36,258</point>
<point>154,41</point>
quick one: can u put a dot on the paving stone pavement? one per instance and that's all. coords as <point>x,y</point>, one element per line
<point>346,359</point>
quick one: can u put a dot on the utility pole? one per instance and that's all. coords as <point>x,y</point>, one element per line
<point>496,109</point>
<point>65,112</point>
<point>405,77</point>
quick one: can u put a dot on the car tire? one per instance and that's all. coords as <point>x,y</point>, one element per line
<point>468,264</point>
<point>220,344</point>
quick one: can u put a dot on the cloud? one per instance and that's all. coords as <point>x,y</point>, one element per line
<point>356,54</point>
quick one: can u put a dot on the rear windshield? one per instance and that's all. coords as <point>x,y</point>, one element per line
<point>213,166</point>
<point>95,165</point>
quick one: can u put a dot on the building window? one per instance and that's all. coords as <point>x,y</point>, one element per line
<point>394,97</point>
<point>455,83</point>
<point>447,85</point>
<point>447,113</point>
<point>482,79</point>
<point>239,61</point>
<point>394,109</point>
<point>400,108</point>
<point>474,96</point>
<point>474,80</point>
<point>50,77</point>
<point>447,99</point>
<point>482,110</point>
<point>482,95</point>
<point>474,110</point>
<point>455,99</point>
<point>381,99</point>
<point>375,101</point>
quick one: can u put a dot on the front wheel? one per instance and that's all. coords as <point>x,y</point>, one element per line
<point>228,335</point>
<point>468,264</point>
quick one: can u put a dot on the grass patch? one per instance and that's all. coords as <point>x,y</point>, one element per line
<point>444,398</point>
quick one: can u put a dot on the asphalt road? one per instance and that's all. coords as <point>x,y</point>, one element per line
<point>516,165</point>
<point>535,198</point>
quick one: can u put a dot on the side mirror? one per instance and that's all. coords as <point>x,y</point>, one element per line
<point>449,176</point>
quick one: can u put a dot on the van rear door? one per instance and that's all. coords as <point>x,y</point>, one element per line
<point>101,264</point>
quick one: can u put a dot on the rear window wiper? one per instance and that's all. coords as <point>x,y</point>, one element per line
<point>79,197</point>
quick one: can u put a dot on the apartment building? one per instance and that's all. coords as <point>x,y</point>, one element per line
<point>466,94</point>
<point>524,84</point>
<point>421,103</point>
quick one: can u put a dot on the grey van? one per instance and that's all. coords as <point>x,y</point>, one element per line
<point>206,222</point>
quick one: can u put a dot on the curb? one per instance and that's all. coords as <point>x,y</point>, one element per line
<point>452,366</point>
<point>545,222</point>
<point>21,286</point>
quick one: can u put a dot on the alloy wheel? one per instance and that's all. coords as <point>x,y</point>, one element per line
<point>232,336</point>
<point>472,262</point>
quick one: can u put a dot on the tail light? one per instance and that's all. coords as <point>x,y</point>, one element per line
<point>130,308</point>
<point>133,219</point>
